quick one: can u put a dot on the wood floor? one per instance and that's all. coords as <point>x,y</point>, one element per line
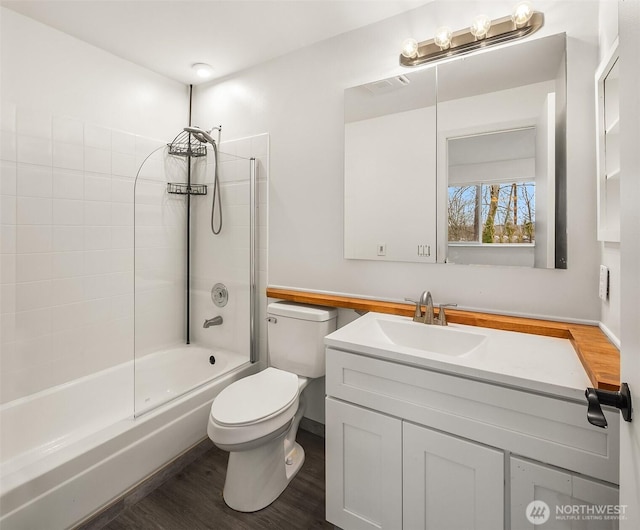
<point>192,499</point>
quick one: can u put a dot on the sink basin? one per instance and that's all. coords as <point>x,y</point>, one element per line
<point>430,338</point>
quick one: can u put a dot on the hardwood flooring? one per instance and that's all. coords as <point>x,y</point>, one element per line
<point>192,499</point>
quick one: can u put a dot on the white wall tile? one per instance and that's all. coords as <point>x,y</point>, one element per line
<point>68,130</point>
<point>122,284</point>
<point>34,150</point>
<point>68,184</point>
<point>67,316</point>
<point>33,295</point>
<point>123,164</point>
<point>68,212</point>
<point>97,262</point>
<point>67,291</point>
<point>122,214</point>
<point>68,156</point>
<point>98,286</point>
<point>33,211</point>
<point>68,238</point>
<point>8,239</point>
<point>122,190</point>
<point>7,328</point>
<point>97,237</point>
<point>122,237</point>
<point>95,136</point>
<point>8,298</point>
<point>31,121</point>
<point>97,188</point>
<point>123,142</point>
<point>67,264</point>
<point>8,146</point>
<point>95,160</point>
<point>33,267</point>
<point>122,260</point>
<point>34,238</point>
<point>8,209</point>
<point>7,268</point>
<point>96,311</point>
<point>34,181</point>
<point>32,324</point>
<point>8,116</point>
<point>97,213</point>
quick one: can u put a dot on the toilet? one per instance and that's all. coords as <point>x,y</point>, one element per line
<point>256,418</point>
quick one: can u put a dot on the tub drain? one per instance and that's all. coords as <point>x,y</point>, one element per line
<point>212,360</point>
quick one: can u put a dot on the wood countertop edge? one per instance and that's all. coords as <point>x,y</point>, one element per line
<point>599,357</point>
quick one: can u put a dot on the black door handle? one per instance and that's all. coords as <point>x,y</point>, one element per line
<point>620,399</point>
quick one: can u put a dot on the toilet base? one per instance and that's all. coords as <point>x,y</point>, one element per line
<point>255,478</point>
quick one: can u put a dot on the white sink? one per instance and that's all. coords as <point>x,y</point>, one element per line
<point>429,338</point>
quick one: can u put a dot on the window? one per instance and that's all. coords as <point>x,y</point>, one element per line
<point>496,213</point>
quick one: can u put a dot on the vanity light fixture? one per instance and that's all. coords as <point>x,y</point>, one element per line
<point>483,32</point>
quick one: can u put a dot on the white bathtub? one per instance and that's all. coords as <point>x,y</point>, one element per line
<point>70,450</point>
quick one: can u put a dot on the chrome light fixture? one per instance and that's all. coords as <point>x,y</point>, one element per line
<point>482,33</point>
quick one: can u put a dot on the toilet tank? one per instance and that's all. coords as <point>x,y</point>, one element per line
<point>295,336</point>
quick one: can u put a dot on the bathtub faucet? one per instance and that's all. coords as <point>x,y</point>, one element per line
<point>215,321</point>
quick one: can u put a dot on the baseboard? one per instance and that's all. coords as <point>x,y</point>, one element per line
<point>312,426</point>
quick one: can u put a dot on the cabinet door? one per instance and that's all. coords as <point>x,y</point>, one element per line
<point>565,501</point>
<point>364,468</point>
<point>450,483</point>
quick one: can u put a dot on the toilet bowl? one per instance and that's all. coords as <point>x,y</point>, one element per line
<point>256,418</point>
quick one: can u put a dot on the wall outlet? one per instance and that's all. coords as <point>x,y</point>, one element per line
<point>603,289</point>
<point>382,249</point>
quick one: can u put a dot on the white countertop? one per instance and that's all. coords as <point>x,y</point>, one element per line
<point>534,363</point>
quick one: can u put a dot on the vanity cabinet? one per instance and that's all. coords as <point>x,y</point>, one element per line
<point>408,447</point>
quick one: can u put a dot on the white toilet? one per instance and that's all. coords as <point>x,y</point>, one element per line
<point>256,418</point>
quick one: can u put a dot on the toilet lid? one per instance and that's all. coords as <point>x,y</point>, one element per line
<point>253,398</point>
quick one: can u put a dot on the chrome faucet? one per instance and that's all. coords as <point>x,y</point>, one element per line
<point>429,317</point>
<point>215,321</point>
<point>427,300</point>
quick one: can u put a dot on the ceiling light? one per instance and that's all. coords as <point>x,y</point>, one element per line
<point>482,33</point>
<point>480,26</point>
<point>409,48</point>
<point>443,37</point>
<point>202,70</point>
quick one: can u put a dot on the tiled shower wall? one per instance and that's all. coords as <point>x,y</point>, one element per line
<point>67,248</point>
<point>76,123</point>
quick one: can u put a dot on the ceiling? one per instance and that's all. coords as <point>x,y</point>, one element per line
<point>169,36</point>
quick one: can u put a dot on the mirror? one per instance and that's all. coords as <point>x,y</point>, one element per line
<point>490,189</point>
<point>390,169</point>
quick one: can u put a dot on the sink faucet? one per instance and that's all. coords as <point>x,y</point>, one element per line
<point>215,321</point>
<point>427,300</point>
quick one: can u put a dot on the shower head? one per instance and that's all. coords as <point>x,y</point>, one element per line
<point>200,135</point>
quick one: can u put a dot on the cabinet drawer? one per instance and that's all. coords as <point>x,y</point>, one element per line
<point>540,427</point>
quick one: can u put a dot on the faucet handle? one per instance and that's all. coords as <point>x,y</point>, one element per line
<point>442,317</point>
<point>417,314</point>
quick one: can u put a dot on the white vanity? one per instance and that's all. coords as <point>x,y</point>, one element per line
<point>461,427</point>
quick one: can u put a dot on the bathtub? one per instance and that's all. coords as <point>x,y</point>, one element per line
<point>71,450</point>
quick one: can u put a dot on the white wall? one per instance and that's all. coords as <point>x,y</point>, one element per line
<point>76,124</point>
<point>298,99</point>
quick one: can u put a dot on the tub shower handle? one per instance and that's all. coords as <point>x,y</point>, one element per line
<point>215,321</point>
<point>620,400</point>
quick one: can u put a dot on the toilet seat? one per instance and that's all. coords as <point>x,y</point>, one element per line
<point>255,398</point>
<point>254,407</point>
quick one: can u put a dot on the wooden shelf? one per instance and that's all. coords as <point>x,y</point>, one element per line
<point>599,357</point>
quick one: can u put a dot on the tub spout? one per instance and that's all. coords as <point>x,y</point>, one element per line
<point>215,321</point>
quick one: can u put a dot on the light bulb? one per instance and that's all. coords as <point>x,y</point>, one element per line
<point>202,70</point>
<point>410,48</point>
<point>522,13</point>
<point>443,37</point>
<point>480,26</point>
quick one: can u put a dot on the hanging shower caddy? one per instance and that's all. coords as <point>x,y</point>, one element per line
<point>186,145</point>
